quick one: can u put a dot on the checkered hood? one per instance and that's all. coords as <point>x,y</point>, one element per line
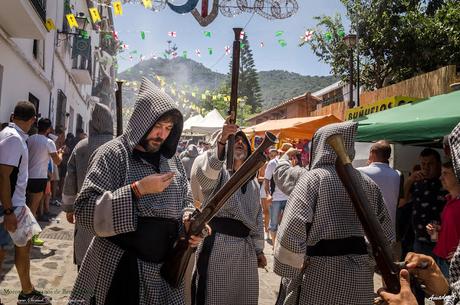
<point>454,142</point>
<point>150,105</point>
<point>322,153</point>
<point>100,127</point>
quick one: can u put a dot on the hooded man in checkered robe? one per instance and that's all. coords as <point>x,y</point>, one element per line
<point>133,200</point>
<point>227,261</point>
<point>454,271</point>
<point>100,132</point>
<point>321,232</point>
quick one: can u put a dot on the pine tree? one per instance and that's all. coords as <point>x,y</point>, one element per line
<point>248,83</point>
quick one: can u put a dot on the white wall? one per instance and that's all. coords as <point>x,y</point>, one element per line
<point>19,79</point>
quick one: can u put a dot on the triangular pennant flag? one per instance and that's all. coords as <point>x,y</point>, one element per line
<point>242,45</point>
<point>172,34</point>
<point>125,46</point>
<point>184,54</point>
<point>227,50</point>
<point>50,24</point>
<point>147,3</point>
<point>328,36</point>
<point>210,51</point>
<point>262,44</point>
<point>117,7</point>
<point>341,33</point>
<point>198,52</point>
<point>71,20</point>
<point>115,35</point>
<point>142,35</point>
<point>282,42</point>
<point>242,35</point>
<point>94,14</point>
<point>279,33</point>
<point>207,34</point>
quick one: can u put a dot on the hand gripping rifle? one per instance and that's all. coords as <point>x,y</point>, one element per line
<point>380,246</point>
<point>233,96</point>
<point>175,265</point>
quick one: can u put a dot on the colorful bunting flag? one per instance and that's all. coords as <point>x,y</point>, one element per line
<point>328,36</point>
<point>207,34</point>
<point>72,21</point>
<point>94,14</point>
<point>147,3</point>
<point>308,36</point>
<point>115,35</point>
<point>174,54</point>
<point>125,46</point>
<point>279,33</point>
<point>242,35</point>
<point>210,51</point>
<point>142,35</point>
<point>227,50</point>
<point>262,44</point>
<point>242,45</point>
<point>117,7</point>
<point>198,52</point>
<point>172,34</point>
<point>50,24</point>
<point>282,42</point>
<point>341,33</point>
<point>184,54</point>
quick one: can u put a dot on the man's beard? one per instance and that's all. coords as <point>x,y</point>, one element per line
<point>151,145</point>
<point>240,155</point>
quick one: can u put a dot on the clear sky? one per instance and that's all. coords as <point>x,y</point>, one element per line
<point>190,36</point>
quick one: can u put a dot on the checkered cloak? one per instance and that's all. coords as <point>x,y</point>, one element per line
<point>454,271</point>
<point>319,200</point>
<point>100,132</point>
<point>105,205</point>
<point>232,270</point>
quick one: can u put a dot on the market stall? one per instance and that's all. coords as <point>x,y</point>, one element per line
<point>420,122</point>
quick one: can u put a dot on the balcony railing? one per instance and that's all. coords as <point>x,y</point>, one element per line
<point>40,7</point>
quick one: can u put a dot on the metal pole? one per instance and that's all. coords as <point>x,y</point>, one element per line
<point>119,104</point>
<point>357,68</point>
<point>351,103</point>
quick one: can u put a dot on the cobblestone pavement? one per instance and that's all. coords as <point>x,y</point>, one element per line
<point>53,271</point>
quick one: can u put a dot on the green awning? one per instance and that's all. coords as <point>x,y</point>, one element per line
<point>423,121</point>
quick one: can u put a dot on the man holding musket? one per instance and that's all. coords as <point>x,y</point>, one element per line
<point>227,261</point>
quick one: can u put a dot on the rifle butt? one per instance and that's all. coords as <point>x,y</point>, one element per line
<point>173,269</point>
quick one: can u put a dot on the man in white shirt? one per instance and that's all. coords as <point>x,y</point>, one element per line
<point>13,181</point>
<point>384,176</point>
<point>41,148</point>
<point>274,195</point>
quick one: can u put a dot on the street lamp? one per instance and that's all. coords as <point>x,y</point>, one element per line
<point>350,41</point>
<point>82,22</point>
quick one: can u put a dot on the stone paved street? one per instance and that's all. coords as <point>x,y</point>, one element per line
<point>53,271</point>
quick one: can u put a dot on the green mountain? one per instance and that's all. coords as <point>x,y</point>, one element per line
<point>279,85</point>
<point>189,75</point>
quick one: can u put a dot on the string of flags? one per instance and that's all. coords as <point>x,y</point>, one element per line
<point>186,96</point>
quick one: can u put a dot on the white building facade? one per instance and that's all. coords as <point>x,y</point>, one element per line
<point>57,70</point>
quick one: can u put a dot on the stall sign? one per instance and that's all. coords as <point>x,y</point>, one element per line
<point>387,103</point>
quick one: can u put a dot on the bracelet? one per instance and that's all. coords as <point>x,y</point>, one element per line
<point>135,190</point>
<point>221,143</point>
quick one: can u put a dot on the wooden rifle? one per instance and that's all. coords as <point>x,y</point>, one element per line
<point>233,96</point>
<point>174,267</point>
